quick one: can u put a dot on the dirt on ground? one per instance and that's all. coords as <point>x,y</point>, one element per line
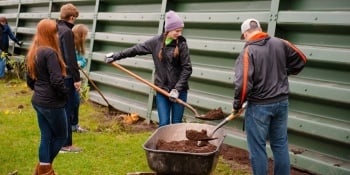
<point>237,157</point>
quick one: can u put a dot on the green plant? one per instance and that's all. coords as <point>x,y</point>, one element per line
<point>84,92</point>
<point>18,65</point>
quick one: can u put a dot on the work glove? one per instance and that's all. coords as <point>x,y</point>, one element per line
<point>20,43</point>
<point>234,111</point>
<point>174,94</point>
<point>110,57</point>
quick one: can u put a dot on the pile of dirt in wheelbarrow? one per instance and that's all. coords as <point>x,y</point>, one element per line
<point>237,158</point>
<point>184,146</point>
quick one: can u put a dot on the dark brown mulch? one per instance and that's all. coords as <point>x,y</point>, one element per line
<point>198,135</point>
<point>184,146</point>
<point>241,157</point>
<point>215,114</point>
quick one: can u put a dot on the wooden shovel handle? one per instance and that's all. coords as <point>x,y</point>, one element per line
<point>96,88</point>
<point>228,118</point>
<point>156,88</point>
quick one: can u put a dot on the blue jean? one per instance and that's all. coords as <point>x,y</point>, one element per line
<point>75,112</point>
<point>268,122</point>
<point>53,129</point>
<point>69,83</point>
<point>165,106</point>
<point>2,66</point>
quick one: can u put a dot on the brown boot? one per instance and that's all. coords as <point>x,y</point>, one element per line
<point>36,169</point>
<point>45,170</point>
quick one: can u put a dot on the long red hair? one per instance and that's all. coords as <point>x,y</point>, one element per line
<point>46,36</point>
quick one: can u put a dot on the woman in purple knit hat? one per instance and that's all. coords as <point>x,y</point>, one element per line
<point>172,66</point>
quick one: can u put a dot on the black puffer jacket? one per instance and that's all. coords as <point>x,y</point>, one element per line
<point>170,72</point>
<point>49,89</point>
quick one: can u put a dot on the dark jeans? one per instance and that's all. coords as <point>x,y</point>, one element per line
<point>264,122</point>
<point>2,67</point>
<point>75,113</point>
<point>53,129</point>
<point>165,106</point>
<point>69,83</point>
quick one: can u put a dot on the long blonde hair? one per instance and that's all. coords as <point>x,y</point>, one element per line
<point>46,36</point>
<point>80,32</point>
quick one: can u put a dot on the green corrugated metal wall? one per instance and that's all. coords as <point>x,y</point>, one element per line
<point>319,123</point>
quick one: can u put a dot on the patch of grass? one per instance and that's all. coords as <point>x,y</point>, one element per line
<point>108,147</point>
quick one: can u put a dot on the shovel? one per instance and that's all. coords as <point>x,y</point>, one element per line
<point>201,136</point>
<point>158,89</point>
<point>98,90</point>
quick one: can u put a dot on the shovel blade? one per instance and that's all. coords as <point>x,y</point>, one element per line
<point>215,114</point>
<point>198,135</point>
<point>202,143</point>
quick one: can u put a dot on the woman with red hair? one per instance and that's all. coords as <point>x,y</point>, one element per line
<point>46,72</point>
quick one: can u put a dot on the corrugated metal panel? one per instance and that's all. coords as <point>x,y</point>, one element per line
<point>120,25</point>
<point>320,95</point>
<point>319,125</point>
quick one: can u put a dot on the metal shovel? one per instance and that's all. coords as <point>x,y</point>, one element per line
<point>222,123</point>
<point>97,89</point>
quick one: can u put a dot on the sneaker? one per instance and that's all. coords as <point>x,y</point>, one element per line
<point>70,149</point>
<point>80,129</point>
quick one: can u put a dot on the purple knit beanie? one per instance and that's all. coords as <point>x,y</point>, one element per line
<point>172,21</point>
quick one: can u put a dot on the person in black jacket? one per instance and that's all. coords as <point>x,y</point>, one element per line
<point>46,72</point>
<point>261,78</point>
<point>172,66</point>
<point>68,15</point>
<point>6,35</point>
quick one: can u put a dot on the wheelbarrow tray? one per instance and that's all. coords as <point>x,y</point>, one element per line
<point>173,162</point>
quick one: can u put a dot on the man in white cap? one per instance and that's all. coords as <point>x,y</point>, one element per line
<point>173,67</point>
<point>261,79</point>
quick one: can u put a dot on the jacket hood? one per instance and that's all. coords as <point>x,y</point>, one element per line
<point>258,39</point>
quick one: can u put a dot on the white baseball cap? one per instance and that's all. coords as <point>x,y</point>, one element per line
<point>246,25</point>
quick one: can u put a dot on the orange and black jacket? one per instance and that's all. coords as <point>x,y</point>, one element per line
<point>262,69</point>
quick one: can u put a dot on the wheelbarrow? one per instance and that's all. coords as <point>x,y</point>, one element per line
<point>173,162</point>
